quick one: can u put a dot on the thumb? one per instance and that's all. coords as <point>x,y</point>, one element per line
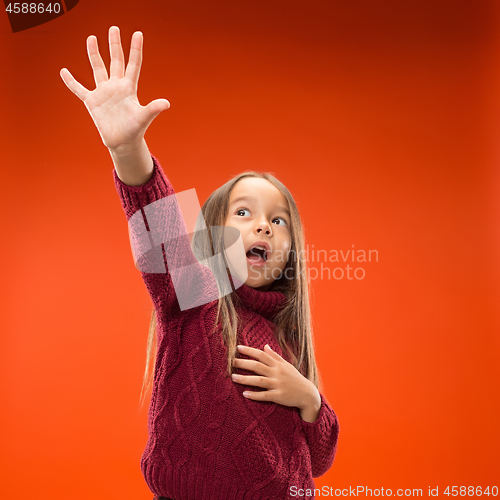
<point>152,110</point>
<point>159,105</point>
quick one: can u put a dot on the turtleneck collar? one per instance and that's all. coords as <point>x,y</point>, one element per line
<point>266,304</point>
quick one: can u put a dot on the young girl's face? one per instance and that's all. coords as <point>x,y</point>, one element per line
<point>261,213</point>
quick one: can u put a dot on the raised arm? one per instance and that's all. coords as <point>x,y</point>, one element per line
<point>176,281</point>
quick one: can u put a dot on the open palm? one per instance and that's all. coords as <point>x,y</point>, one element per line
<point>113,105</point>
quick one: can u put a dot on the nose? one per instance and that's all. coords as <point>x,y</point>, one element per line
<point>263,226</point>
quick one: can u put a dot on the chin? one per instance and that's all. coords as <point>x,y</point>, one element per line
<point>257,285</point>
<point>252,284</point>
<point>265,287</point>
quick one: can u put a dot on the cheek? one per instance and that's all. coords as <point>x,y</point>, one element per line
<point>231,222</point>
<point>284,252</point>
<point>287,243</point>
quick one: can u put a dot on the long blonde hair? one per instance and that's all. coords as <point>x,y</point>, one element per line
<point>294,325</point>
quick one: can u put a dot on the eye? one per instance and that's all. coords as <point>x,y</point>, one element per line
<point>282,220</point>
<point>242,210</point>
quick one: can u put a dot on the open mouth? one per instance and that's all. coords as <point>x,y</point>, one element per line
<point>258,254</point>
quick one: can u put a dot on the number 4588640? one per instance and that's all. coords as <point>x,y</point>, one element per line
<point>33,8</point>
<point>470,491</point>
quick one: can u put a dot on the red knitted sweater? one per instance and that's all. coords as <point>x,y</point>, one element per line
<point>206,440</point>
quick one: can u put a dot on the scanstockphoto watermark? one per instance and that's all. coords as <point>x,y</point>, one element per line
<point>355,491</point>
<point>365,491</point>
<point>321,263</point>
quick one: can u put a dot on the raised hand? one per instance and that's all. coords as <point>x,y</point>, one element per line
<point>113,104</point>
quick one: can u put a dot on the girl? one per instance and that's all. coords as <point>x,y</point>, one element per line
<point>235,409</point>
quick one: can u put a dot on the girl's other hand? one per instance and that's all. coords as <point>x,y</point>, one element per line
<point>113,104</point>
<point>284,383</point>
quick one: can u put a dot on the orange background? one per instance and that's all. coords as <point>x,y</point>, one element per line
<point>382,118</point>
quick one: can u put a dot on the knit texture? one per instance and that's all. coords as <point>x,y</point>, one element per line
<point>206,440</point>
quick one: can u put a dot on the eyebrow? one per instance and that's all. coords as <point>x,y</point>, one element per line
<point>249,198</point>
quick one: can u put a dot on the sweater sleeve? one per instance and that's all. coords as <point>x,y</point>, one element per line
<point>161,248</point>
<point>321,437</point>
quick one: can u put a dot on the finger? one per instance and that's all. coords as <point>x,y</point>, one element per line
<point>252,365</point>
<point>116,52</point>
<point>273,354</point>
<point>253,380</point>
<point>262,356</point>
<point>257,395</point>
<point>249,351</point>
<point>148,113</point>
<point>135,58</point>
<point>75,87</point>
<point>100,72</point>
